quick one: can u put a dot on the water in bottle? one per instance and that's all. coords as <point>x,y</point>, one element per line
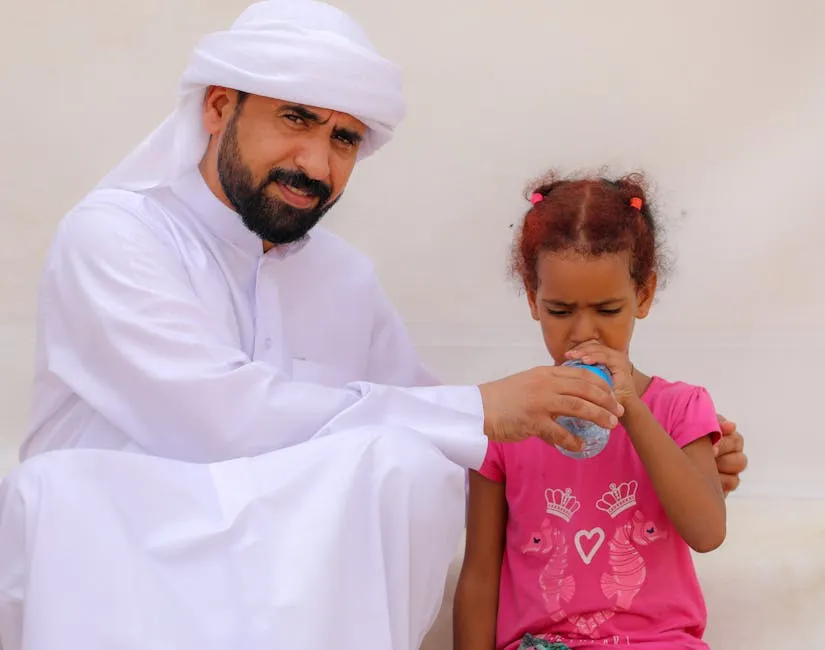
<point>595,437</point>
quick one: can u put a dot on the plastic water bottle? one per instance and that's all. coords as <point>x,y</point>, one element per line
<point>595,437</point>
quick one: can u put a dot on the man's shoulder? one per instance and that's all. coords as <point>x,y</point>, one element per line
<point>104,217</point>
<point>114,201</point>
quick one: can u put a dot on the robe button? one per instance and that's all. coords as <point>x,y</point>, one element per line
<point>268,343</point>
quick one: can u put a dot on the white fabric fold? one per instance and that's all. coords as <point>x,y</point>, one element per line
<point>343,541</point>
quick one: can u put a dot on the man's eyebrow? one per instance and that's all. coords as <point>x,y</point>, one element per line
<point>311,116</point>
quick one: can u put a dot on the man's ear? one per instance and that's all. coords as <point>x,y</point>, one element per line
<point>645,295</point>
<point>218,105</point>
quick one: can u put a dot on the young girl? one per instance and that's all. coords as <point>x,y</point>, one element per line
<point>569,553</point>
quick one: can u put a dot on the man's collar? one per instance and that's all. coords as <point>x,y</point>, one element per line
<point>223,221</point>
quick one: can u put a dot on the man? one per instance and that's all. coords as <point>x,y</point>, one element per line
<point>283,488</point>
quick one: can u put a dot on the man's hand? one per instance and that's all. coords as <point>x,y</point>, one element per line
<point>731,460</point>
<point>526,404</point>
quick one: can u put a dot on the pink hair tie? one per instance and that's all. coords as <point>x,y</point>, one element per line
<point>537,196</point>
<point>636,202</point>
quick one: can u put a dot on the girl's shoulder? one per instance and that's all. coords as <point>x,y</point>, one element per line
<point>666,391</point>
<point>684,410</point>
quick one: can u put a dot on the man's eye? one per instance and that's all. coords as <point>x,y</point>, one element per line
<point>295,119</point>
<point>558,313</point>
<point>610,312</point>
<point>345,139</point>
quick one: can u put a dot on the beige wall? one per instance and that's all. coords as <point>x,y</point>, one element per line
<point>720,101</point>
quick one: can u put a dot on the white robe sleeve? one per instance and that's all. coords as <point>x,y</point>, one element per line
<point>124,329</point>
<point>393,357</point>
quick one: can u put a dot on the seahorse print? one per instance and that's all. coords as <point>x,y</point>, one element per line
<point>628,570</point>
<point>556,585</point>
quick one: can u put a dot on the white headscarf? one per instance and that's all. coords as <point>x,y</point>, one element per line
<point>299,51</point>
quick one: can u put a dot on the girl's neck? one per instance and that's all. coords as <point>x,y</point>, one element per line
<point>641,381</point>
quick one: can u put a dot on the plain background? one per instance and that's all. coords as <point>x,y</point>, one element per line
<point>721,103</point>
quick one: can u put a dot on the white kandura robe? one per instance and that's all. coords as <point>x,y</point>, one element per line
<point>280,493</point>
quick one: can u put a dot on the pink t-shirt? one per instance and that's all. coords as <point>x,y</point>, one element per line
<point>591,559</point>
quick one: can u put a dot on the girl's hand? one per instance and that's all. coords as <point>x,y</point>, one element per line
<point>593,352</point>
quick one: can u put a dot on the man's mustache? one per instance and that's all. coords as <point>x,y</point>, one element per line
<point>300,181</point>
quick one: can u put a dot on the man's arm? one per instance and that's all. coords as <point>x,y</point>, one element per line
<point>125,330</point>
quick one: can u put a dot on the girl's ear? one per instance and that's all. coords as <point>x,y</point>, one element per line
<point>531,300</point>
<point>645,295</point>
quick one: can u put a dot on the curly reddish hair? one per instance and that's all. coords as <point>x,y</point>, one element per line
<point>592,216</point>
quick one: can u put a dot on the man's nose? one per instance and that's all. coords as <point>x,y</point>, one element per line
<point>313,159</point>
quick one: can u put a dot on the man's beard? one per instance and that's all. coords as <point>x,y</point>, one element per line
<point>268,217</point>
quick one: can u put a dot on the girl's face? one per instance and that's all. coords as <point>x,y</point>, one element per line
<point>582,298</point>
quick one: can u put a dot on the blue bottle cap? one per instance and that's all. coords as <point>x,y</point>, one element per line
<point>598,369</point>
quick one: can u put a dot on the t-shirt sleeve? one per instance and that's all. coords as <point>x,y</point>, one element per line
<point>694,417</point>
<point>493,466</point>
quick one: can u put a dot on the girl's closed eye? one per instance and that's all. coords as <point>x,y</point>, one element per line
<point>604,311</point>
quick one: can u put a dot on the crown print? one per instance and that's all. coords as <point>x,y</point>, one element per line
<point>618,498</point>
<point>561,503</point>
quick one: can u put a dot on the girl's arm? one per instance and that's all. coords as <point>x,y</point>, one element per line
<point>475,608</point>
<point>685,479</point>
